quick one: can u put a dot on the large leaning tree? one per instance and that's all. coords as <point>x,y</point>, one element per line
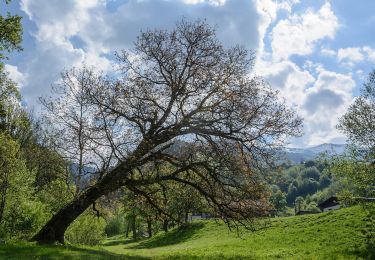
<point>175,85</point>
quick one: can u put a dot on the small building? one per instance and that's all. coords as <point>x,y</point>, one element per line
<point>195,216</point>
<point>329,204</point>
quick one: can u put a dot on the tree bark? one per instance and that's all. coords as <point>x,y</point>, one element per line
<point>4,188</point>
<point>165,225</point>
<point>149,227</point>
<point>54,229</point>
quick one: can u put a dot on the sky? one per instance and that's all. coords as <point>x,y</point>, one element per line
<point>317,53</point>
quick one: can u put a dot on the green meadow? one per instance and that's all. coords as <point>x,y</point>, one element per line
<point>340,234</point>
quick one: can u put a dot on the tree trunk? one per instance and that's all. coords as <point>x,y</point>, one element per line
<point>127,229</point>
<point>165,225</point>
<point>55,228</point>
<point>134,228</point>
<point>149,227</point>
<point>4,188</point>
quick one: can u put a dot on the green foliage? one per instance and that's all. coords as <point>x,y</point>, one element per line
<point>299,203</point>
<point>359,121</point>
<point>308,186</point>
<point>302,180</point>
<point>10,33</point>
<point>160,205</point>
<point>278,200</point>
<point>87,229</point>
<point>23,214</point>
<point>360,176</point>
<point>358,165</point>
<point>116,225</point>
<point>292,193</point>
<point>23,218</point>
<point>55,195</point>
<point>310,173</point>
<point>324,181</point>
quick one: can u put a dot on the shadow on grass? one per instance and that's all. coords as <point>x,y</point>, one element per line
<point>105,254</point>
<point>118,241</point>
<point>365,252</point>
<point>30,251</point>
<point>173,237</point>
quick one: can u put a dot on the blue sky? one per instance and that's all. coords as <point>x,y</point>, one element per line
<point>316,53</point>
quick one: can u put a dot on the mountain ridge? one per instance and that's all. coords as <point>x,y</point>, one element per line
<point>298,155</point>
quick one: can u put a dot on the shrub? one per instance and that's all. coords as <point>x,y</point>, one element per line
<point>86,230</point>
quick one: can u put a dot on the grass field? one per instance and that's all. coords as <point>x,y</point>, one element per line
<point>334,235</point>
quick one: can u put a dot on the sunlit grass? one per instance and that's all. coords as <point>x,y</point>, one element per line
<point>333,235</point>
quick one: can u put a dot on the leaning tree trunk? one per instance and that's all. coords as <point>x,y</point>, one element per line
<point>55,228</point>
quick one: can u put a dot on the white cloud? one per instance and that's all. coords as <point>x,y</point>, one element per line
<point>268,10</point>
<point>370,53</point>
<point>69,33</point>
<point>15,75</point>
<point>298,34</point>
<point>325,102</point>
<point>327,52</point>
<point>353,55</point>
<point>290,79</point>
<point>350,54</point>
<point>320,100</point>
<point>213,2</point>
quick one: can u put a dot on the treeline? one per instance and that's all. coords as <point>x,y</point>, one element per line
<point>33,177</point>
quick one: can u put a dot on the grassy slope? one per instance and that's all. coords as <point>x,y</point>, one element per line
<point>333,235</point>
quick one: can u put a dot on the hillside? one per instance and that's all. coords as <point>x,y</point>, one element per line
<point>336,234</point>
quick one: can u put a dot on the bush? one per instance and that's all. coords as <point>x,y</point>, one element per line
<point>115,226</point>
<point>86,230</point>
<point>310,173</point>
<point>23,219</point>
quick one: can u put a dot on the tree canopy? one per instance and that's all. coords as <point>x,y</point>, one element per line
<point>181,84</point>
<point>10,33</point>
<point>359,121</point>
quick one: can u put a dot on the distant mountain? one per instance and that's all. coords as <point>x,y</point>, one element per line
<point>88,174</point>
<point>329,148</point>
<point>297,155</point>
